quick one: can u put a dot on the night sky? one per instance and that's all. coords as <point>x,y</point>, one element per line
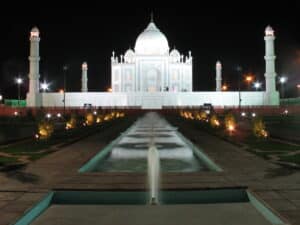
<point>70,36</point>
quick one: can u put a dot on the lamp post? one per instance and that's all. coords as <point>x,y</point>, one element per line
<point>282,81</point>
<point>19,81</point>
<point>65,68</point>
<point>249,78</point>
<point>239,70</point>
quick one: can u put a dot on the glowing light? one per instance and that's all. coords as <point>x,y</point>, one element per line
<point>243,114</point>
<point>264,133</point>
<point>16,113</point>
<point>48,115</point>
<point>37,136</point>
<point>257,85</point>
<point>19,80</point>
<point>45,129</point>
<point>298,86</point>
<point>61,91</point>
<point>224,87</point>
<point>109,89</point>
<point>58,115</point>
<point>253,114</point>
<point>1,97</point>
<point>282,80</point>
<point>98,120</point>
<point>95,112</point>
<point>231,127</point>
<point>45,86</point>
<point>259,128</point>
<point>89,119</point>
<point>207,111</point>
<point>249,78</point>
<point>71,124</point>
<point>286,112</point>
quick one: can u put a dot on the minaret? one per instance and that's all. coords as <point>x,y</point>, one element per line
<point>218,76</point>
<point>33,96</point>
<point>84,78</point>
<point>271,95</point>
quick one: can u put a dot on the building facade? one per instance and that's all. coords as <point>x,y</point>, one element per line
<point>151,66</point>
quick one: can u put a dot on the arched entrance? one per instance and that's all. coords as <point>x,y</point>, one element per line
<point>153,81</point>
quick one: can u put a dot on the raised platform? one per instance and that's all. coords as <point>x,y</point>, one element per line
<point>157,100</point>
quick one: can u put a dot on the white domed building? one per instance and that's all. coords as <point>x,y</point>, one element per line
<point>152,77</point>
<point>151,67</point>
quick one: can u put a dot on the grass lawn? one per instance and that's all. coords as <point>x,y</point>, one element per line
<point>291,158</point>
<point>269,145</point>
<point>32,147</point>
<point>8,160</point>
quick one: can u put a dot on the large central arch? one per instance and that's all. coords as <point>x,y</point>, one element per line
<point>153,80</point>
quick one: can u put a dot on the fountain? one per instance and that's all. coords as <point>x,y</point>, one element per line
<point>153,174</point>
<point>153,170</point>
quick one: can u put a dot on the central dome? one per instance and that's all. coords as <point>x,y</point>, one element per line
<point>151,42</point>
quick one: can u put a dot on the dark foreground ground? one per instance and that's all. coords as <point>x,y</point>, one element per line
<point>278,186</point>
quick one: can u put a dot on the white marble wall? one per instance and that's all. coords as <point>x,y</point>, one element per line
<point>156,100</point>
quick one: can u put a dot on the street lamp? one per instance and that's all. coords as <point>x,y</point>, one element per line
<point>257,85</point>
<point>298,88</point>
<point>65,68</point>
<point>45,86</point>
<point>224,87</point>
<point>282,81</point>
<point>19,81</point>
<point>239,70</point>
<point>249,78</point>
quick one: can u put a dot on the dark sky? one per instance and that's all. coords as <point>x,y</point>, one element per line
<point>70,36</point>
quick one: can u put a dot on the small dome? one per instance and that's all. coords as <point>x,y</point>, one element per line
<point>129,56</point>
<point>34,32</point>
<point>269,31</point>
<point>84,65</point>
<point>35,29</point>
<point>152,42</point>
<point>175,55</point>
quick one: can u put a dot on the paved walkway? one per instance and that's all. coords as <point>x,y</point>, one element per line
<point>278,187</point>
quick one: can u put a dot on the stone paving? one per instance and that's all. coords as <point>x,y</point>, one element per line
<point>278,187</point>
